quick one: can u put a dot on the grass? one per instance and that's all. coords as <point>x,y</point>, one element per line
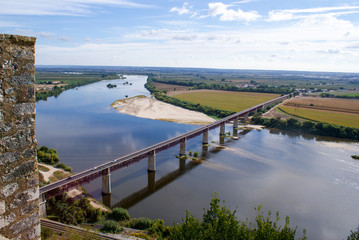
<point>43,168</point>
<point>225,100</point>
<point>343,119</point>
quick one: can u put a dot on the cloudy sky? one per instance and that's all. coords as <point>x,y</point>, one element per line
<point>316,35</point>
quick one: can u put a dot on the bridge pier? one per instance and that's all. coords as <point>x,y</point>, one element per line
<point>106,181</point>
<point>42,206</point>
<point>222,133</point>
<point>182,147</point>
<point>205,137</point>
<point>204,150</point>
<point>235,127</point>
<point>152,162</point>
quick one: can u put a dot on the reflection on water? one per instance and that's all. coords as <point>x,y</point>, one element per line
<point>313,181</point>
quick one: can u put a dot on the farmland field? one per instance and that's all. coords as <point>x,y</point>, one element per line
<point>342,112</point>
<point>225,100</point>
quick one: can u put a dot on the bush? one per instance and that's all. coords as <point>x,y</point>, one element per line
<point>64,167</point>
<point>111,226</point>
<point>119,214</point>
<point>140,223</point>
<point>221,223</point>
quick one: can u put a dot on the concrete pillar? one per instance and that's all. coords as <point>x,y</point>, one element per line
<point>222,129</point>
<point>205,137</point>
<point>183,148</point>
<point>106,182</point>
<point>42,206</point>
<point>235,123</point>
<point>151,183</point>
<point>152,162</point>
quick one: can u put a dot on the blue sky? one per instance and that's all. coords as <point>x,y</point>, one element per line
<point>316,35</point>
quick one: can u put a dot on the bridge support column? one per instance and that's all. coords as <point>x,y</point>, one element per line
<point>235,127</point>
<point>222,133</point>
<point>106,181</point>
<point>205,137</point>
<point>152,162</point>
<point>42,206</point>
<point>182,147</point>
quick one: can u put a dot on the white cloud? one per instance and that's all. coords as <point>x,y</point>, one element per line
<point>226,14</point>
<point>185,9</point>
<point>291,14</point>
<point>66,7</point>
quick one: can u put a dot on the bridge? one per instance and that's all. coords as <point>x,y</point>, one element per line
<point>104,170</point>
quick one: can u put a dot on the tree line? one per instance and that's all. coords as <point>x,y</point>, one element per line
<point>317,128</point>
<point>262,88</point>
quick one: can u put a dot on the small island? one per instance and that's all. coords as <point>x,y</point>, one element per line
<point>111,85</point>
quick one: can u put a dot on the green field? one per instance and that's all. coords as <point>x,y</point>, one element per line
<point>343,119</point>
<point>224,100</point>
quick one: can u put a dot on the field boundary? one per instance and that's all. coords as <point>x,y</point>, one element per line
<point>326,108</point>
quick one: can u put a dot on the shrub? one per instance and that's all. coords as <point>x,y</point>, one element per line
<point>111,226</point>
<point>119,214</point>
<point>140,223</point>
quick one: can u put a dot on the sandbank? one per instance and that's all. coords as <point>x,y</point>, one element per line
<point>145,107</point>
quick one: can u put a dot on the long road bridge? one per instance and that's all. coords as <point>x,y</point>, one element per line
<point>104,170</point>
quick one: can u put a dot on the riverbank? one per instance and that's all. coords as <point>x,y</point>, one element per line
<point>144,107</point>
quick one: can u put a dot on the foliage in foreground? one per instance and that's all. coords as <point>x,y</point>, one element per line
<point>219,222</point>
<point>65,210</point>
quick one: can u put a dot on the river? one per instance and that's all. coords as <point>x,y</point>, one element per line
<point>314,182</point>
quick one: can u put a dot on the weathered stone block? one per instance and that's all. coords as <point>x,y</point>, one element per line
<point>2,207</point>
<point>30,207</point>
<point>25,223</point>
<point>20,171</point>
<point>19,139</point>
<point>29,152</point>
<point>8,157</point>
<point>9,189</point>
<point>24,197</point>
<point>7,220</point>
<point>26,122</point>
<point>33,181</point>
<point>33,233</point>
<point>22,109</point>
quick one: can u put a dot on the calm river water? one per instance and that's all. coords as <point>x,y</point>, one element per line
<point>315,183</point>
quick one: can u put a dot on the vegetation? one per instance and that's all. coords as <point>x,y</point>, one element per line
<point>355,157</point>
<point>69,211</point>
<point>349,95</point>
<point>64,167</point>
<point>47,156</point>
<point>330,117</point>
<point>140,223</point>
<point>111,226</point>
<point>119,214</point>
<point>219,222</point>
<point>319,128</point>
<point>254,87</point>
<point>111,85</point>
<point>354,235</point>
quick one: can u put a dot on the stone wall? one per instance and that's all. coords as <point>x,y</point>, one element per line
<point>19,184</point>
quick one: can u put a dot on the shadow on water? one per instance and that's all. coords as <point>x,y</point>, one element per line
<point>154,186</point>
